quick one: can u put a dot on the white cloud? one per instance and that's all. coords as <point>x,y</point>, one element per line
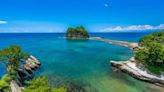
<point>3,22</point>
<point>133,28</point>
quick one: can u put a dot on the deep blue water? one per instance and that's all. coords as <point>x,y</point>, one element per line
<point>84,62</point>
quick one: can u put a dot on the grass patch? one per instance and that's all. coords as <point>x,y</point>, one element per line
<point>156,69</point>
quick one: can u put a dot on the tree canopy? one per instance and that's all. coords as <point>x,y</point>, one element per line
<point>77,33</point>
<point>152,52</point>
<point>41,84</point>
<point>157,37</point>
<point>12,56</point>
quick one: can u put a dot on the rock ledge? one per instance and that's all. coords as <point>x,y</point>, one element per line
<point>130,67</point>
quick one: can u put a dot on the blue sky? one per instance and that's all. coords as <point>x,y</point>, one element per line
<point>95,15</point>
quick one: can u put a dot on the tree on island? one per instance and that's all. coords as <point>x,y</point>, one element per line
<point>77,33</point>
<point>151,53</point>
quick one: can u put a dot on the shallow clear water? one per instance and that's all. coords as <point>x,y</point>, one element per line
<point>86,63</point>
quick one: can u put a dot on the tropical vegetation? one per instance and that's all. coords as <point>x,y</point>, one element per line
<point>151,53</point>
<point>41,84</point>
<point>12,57</point>
<point>77,33</point>
<point>4,83</point>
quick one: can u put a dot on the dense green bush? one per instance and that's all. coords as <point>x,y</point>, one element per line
<point>157,37</point>
<point>41,84</point>
<point>4,83</point>
<point>151,53</point>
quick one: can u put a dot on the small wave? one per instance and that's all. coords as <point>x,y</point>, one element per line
<point>61,37</point>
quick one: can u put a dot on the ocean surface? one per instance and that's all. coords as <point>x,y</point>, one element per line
<point>82,63</point>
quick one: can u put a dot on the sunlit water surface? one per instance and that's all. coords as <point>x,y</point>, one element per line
<point>86,63</point>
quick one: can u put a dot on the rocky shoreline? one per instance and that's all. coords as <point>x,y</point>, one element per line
<point>25,71</point>
<point>130,67</point>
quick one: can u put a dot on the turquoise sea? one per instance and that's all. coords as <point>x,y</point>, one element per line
<point>82,63</point>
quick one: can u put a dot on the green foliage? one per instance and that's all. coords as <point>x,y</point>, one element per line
<point>7,78</point>
<point>78,32</point>
<point>3,84</point>
<point>156,69</point>
<point>142,54</point>
<point>157,37</point>
<point>152,52</point>
<point>38,85</point>
<point>61,89</point>
<point>12,56</point>
<point>41,84</point>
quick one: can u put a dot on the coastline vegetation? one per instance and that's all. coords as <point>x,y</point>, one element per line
<point>41,84</point>
<point>151,53</point>
<point>12,57</point>
<point>77,33</point>
<point>4,83</point>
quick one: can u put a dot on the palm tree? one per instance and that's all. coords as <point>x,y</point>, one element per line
<point>12,56</point>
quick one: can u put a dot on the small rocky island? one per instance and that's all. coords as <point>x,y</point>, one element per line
<point>77,33</point>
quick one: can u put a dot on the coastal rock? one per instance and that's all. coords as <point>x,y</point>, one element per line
<point>26,70</point>
<point>15,87</point>
<point>131,68</point>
